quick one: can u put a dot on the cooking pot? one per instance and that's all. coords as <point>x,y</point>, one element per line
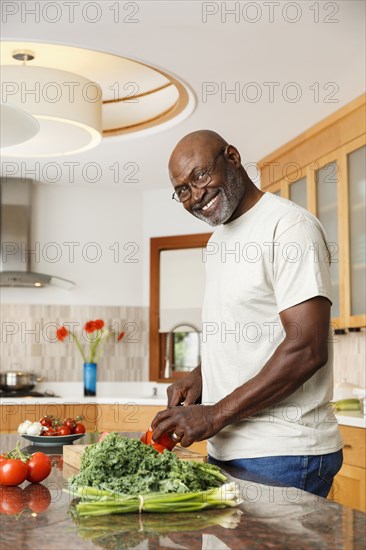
<point>18,380</point>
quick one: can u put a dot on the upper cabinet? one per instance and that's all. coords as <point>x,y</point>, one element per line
<point>323,170</point>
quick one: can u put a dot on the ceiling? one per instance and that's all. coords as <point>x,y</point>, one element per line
<point>316,64</point>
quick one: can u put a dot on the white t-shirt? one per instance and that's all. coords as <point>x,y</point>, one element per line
<point>269,259</point>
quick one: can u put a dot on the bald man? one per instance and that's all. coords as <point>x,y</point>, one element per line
<point>266,379</point>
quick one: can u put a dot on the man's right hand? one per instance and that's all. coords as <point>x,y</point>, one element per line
<point>187,390</point>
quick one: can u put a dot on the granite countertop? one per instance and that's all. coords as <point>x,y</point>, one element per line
<point>269,517</point>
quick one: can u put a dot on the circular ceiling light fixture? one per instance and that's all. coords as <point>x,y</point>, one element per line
<point>137,99</point>
<point>67,106</point>
<point>16,126</point>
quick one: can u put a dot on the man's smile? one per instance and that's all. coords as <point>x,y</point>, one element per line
<point>208,204</point>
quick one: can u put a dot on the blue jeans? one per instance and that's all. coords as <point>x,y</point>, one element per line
<point>310,473</point>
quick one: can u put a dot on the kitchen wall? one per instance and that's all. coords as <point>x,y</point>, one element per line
<point>29,338</point>
<point>91,235</point>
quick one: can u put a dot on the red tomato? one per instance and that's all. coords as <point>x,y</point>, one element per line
<point>167,441</point>
<point>38,497</point>
<point>149,435</point>
<point>102,436</point>
<point>39,467</point>
<point>13,472</point>
<point>157,447</point>
<point>143,438</point>
<point>70,423</point>
<point>2,457</point>
<point>79,429</point>
<point>12,500</point>
<point>46,421</point>
<point>63,430</point>
<point>50,432</point>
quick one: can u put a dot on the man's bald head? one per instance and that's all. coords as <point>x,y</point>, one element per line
<point>201,141</point>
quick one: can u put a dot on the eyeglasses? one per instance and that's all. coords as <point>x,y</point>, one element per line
<point>199,180</point>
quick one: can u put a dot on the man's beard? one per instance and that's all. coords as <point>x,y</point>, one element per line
<point>230,195</point>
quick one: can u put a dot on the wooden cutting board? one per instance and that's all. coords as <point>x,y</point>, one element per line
<point>72,454</point>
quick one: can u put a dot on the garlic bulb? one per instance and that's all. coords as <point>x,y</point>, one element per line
<point>34,429</point>
<point>22,428</point>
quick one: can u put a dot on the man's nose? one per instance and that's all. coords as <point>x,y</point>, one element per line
<point>197,194</point>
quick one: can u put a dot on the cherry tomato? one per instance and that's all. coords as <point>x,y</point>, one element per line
<point>13,472</point>
<point>157,447</point>
<point>37,497</point>
<point>46,421</point>
<point>50,432</point>
<point>70,423</point>
<point>102,436</point>
<point>12,500</point>
<point>39,467</point>
<point>63,430</point>
<point>79,429</point>
<point>2,457</point>
<point>167,441</point>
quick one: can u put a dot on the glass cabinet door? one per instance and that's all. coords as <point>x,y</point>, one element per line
<point>327,213</point>
<point>356,161</point>
<point>298,193</point>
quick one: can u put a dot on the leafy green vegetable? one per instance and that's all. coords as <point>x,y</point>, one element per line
<point>129,467</point>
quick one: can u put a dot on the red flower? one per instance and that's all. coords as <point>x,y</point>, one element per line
<point>90,327</point>
<point>120,336</point>
<point>99,324</point>
<point>61,333</point>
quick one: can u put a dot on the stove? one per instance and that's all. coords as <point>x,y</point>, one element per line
<point>19,393</point>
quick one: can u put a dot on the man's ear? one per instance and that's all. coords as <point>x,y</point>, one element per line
<point>231,153</point>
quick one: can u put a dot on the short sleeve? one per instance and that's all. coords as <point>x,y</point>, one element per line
<point>300,263</point>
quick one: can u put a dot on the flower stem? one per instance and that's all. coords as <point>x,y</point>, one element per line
<point>79,346</point>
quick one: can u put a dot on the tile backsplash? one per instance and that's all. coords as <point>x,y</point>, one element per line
<point>28,341</point>
<point>28,338</point>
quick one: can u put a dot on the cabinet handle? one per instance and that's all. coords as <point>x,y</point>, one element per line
<point>347,446</point>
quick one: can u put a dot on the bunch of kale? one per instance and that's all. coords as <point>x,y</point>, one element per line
<point>129,467</point>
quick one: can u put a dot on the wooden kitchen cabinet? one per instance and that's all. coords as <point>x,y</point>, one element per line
<point>115,417</point>
<point>128,417</point>
<point>13,415</point>
<point>349,487</point>
<point>323,170</point>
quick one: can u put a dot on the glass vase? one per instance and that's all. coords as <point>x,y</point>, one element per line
<point>90,379</point>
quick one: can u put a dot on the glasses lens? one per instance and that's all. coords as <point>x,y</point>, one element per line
<point>201,180</point>
<point>184,194</point>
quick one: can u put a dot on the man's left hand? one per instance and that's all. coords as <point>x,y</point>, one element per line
<point>189,423</point>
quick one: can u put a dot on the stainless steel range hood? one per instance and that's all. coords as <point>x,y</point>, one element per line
<point>16,243</point>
